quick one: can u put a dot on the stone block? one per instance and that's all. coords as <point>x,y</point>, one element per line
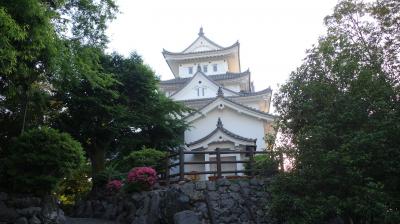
<point>200,185</point>
<point>211,186</point>
<point>21,220</point>
<point>223,182</point>
<point>186,217</point>
<point>28,212</point>
<point>34,220</point>
<point>7,215</point>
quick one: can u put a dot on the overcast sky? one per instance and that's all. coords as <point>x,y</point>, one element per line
<point>273,34</point>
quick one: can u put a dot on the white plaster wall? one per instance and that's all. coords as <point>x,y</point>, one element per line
<point>253,104</point>
<point>190,90</point>
<point>201,44</point>
<point>235,88</point>
<point>221,64</point>
<point>194,167</point>
<point>235,122</point>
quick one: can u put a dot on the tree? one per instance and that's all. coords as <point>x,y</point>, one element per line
<point>35,43</point>
<point>39,159</point>
<point>121,110</point>
<point>151,119</point>
<point>341,112</point>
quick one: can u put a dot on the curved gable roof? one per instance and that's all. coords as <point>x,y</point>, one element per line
<point>199,72</point>
<point>220,128</point>
<point>232,104</point>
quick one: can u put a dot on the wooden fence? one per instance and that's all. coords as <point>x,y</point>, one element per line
<point>167,176</point>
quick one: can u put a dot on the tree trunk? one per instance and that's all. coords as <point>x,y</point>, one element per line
<point>24,116</point>
<point>97,159</point>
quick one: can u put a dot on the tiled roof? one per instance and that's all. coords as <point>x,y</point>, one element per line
<point>218,77</point>
<point>221,128</point>
<point>199,104</point>
<point>165,52</point>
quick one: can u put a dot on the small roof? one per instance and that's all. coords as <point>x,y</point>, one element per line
<point>220,128</point>
<point>200,73</point>
<point>210,105</point>
<point>218,77</point>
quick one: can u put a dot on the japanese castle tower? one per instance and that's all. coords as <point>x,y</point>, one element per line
<point>228,113</point>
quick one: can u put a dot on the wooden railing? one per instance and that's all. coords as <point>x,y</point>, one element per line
<point>167,176</point>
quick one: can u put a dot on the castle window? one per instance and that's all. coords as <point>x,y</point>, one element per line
<point>205,68</point>
<point>215,67</point>
<point>190,70</point>
<point>200,91</point>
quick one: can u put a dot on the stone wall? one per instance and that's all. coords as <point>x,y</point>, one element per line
<point>29,210</point>
<point>222,201</point>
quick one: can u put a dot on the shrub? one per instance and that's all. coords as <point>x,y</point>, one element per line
<point>39,159</point>
<point>141,178</point>
<point>114,185</point>
<point>111,172</point>
<point>74,187</point>
<point>147,157</point>
<point>265,165</point>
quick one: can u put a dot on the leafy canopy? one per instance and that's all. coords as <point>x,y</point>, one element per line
<point>341,111</point>
<point>39,159</point>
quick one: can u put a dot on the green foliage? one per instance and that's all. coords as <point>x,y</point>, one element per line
<point>146,157</point>
<point>150,119</point>
<point>135,187</point>
<point>264,165</point>
<point>39,159</point>
<point>74,187</point>
<point>111,172</point>
<point>340,115</point>
<point>42,44</point>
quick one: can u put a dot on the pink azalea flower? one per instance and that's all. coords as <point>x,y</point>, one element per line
<point>145,175</point>
<point>114,185</point>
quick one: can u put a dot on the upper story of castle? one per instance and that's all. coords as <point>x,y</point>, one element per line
<point>205,54</point>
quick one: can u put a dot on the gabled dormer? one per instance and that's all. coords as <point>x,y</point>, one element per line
<point>211,57</point>
<point>200,86</point>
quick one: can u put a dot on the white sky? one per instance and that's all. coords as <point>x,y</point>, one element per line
<point>273,35</point>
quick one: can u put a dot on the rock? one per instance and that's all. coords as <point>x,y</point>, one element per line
<point>254,182</point>
<point>7,214</point>
<point>186,217</point>
<point>88,212</point>
<point>29,212</point>
<point>137,197</point>
<point>223,182</point>
<point>243,184</point>
<point>201,185</point>
<point>201,207</point>
<point>234,187</point>
<point>188,189</point>
<point>214,196</point>
<point>183,201</point>
<point>139,220</point>
<point>110,212</point>
<point>154,211</point>
<point>211,186</point>
<point>25,202</point>
<point>3,196</point>
<point>222,189</point>
<point>34,220</point>
<point>235,196</point>
<point>228,203</point>
<point>21,220</point>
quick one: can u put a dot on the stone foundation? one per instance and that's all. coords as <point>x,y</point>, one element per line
<point>222,201</point>
<point>29,210</point>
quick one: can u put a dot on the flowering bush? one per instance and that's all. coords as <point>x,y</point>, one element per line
<point>141,178</point>
<point>114,185</point>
